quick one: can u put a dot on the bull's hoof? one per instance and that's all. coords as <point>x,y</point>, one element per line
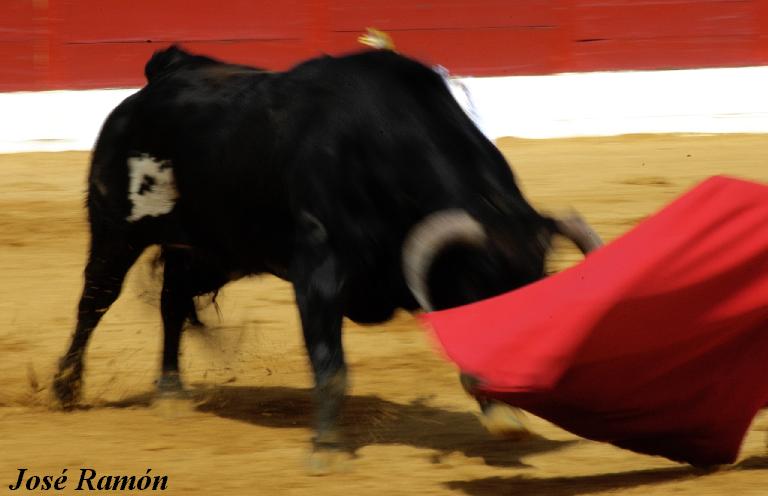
<point>169,385</point>
<point>328,461</point>
<point>172,400</point>
<point>67,386</point>
<point>328,455</point>
<point>504,421</point>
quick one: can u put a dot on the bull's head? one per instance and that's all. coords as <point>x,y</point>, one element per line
<point>450,259</point>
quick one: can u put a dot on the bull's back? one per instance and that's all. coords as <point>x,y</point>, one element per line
<point>368,143</point>
<point>388,138</point>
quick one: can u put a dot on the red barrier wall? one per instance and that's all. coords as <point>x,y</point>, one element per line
<point>46,44</point>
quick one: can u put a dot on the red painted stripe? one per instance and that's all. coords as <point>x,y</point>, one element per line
<point>354,15</point>
<point>122,64</point>
<point>476,51</point>
<point>94,21</point>
<point>91,43</point>
<point>17,63</point>
<point>641,20</point>
<point>666,53</point>
<point>761,21</point>
<point>16,21</point>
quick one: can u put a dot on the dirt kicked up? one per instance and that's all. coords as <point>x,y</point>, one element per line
<point>412,428</point>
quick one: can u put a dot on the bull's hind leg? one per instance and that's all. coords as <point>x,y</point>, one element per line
<point>318,285</point>
<point>108,262</point>
<point>176,306</point>
<point>187,273</point>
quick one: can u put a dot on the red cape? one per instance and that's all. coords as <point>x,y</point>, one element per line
<point>657,342</point>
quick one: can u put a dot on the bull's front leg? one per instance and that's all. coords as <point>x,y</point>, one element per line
<point>318,284</point>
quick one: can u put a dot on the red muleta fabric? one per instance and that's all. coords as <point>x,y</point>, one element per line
<point>657,342</point>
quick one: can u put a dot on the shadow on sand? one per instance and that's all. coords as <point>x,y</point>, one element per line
<point>366,420</point>
<point>370,420</point>
<point>590,484</point>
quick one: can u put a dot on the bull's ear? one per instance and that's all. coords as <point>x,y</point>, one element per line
<point>574,227</point>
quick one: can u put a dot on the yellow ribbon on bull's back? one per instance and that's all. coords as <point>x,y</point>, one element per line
<point>375,38</point>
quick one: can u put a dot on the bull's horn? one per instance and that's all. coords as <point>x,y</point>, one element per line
<point>574,227</point>
<point>425,241</point>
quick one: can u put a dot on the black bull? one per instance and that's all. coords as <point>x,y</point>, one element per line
<point>359,179</point>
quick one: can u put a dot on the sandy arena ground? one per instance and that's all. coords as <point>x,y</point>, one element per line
<point>413,429</point>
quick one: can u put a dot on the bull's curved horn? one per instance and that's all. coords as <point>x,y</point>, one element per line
<point>427,238</point>
<point>574,227</point>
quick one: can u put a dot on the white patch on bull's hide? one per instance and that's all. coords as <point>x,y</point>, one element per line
<point>152,187</point>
